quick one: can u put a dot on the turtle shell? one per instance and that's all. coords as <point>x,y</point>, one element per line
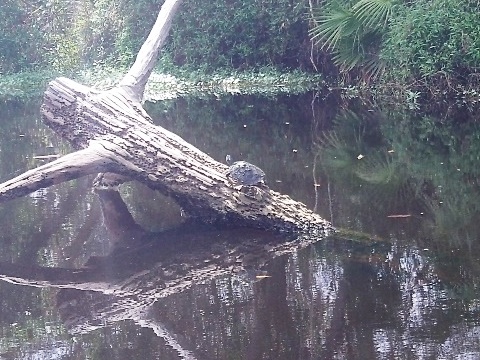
<point>244,173</point>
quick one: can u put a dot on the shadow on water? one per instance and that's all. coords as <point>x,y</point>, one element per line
<point>120,276</point>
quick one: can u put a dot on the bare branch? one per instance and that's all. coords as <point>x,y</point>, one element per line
<point>91,160</point>
<point>135,80</point>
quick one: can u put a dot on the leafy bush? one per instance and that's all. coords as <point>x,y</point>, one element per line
<point>240,34</point>
<point>72,34</point>
<point>19,38</point>
<point>38,34</point>
<point>433,37</point>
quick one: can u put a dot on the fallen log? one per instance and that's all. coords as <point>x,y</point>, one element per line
<point>113,134</point>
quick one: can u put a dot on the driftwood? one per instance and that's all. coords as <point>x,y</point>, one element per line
<point>113,134</point>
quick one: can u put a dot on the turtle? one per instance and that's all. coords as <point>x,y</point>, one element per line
<point>242,173</point>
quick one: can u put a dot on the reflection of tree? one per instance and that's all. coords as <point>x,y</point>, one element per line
<point>331,299</point>
<point>271,300</point>
<point>21,140</point>
<point>404,166</point>
<point>431,169</point>
<point>442,153</point>
<point>144,268</point>
<point>356,157</point>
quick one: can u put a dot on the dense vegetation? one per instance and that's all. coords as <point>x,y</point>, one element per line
<point>429,46</point>
<point>435,45</point>
<point>211,35</point>
<point>424,46</point>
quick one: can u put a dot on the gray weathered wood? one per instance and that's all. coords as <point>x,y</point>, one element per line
<point>135,80</point>
<point>113,133</point>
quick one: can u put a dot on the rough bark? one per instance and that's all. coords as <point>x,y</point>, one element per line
<point>114,134</point>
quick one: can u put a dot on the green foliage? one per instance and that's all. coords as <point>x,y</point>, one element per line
<point>100,32</point>
<point>334,26</point>
<point>24,85</point>
<point>433,39</point>
<point>240,34</point>
<point>179,82</point>
<point>37,34</point>
<point>373,14</point>
<point>353,33</point>
<point>20,37</point>
<point>68,35</point>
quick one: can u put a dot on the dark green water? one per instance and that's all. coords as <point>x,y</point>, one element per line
<point>70,291</point>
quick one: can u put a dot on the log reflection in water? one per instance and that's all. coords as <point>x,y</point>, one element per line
<point>144,267</point>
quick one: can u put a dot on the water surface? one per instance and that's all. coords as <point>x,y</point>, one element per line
<point>80,283</point>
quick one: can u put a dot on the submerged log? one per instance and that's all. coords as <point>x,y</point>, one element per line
<point>113,134</point>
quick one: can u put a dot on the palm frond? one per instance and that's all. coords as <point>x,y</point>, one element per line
<point>361,56</point>
<point>332,27</point>
<point>373,13</point>
<point>353,35</point>
<point>373,67</point>
<point>347,58</point>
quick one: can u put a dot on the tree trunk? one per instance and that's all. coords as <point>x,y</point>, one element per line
<point>113,134</point>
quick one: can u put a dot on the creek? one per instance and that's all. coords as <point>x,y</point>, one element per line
<point>400,280</point>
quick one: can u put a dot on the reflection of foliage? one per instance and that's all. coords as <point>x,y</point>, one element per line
<point>432,166</point>
<point>453,218</point>
<point>354,154</point>
<point>408,165</point>
<point>443,155</point>
<point>335,152</point>
<point>376,169</point>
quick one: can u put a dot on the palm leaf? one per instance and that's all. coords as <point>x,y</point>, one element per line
<point>362,55</point>
<point>373,13</point>
<point>347,58</point>
<point>353,34</point>
<point>373,67</point>
<point>332,27</point>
